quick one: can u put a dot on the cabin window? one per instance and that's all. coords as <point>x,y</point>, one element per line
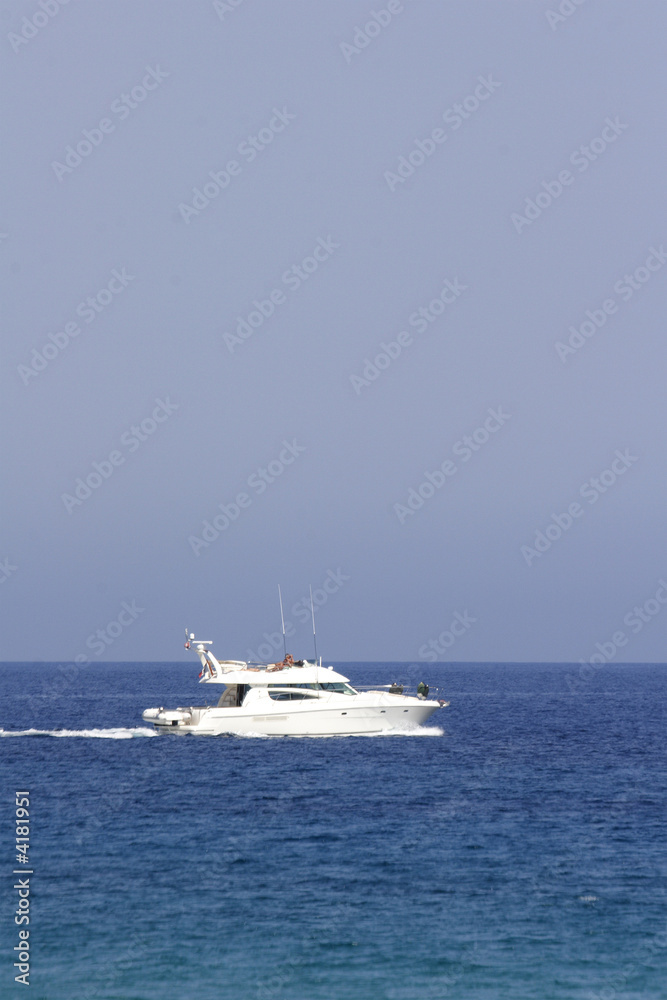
<point>338,687</point>
<point>228,697</point>
<point>289,695</point>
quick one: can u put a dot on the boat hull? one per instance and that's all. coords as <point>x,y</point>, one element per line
<point>309,720</point>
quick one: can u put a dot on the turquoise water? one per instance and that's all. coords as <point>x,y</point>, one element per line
<point>514,849</point>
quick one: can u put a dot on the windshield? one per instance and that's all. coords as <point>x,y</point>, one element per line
<point>338,686</point>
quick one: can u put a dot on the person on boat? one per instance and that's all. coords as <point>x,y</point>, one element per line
<point>287,662</point>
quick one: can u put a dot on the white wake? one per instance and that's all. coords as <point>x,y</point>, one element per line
<point>99,734</point>
<point>141,731</point>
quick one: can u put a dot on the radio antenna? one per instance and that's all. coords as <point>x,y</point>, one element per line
<point>282,619</point>
<point>312,613</point>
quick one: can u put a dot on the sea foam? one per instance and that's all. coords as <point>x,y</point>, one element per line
<point>100,734</point>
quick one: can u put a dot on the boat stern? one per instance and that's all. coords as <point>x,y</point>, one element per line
<point>170,720</point>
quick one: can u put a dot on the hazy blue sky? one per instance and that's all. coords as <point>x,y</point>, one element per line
<point>217,216</point>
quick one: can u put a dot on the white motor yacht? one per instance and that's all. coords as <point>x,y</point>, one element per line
<point>290,698</point>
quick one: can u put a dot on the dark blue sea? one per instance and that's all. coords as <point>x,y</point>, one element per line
<point>512,849</point>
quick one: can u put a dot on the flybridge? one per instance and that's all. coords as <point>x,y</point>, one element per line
<point>212,668</point>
